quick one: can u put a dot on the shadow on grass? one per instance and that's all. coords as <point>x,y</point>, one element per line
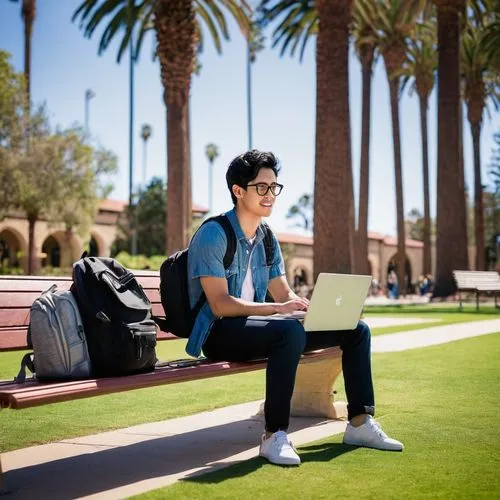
<point>145,453</point>
<point>315,453</point>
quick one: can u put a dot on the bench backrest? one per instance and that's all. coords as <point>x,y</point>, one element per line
<point>473,279</point>
<point>17,294</point>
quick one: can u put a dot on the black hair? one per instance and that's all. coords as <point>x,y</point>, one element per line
<point>245,168</point>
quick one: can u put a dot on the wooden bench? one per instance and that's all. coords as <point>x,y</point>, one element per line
<point>313,394</point>
<point>477,282</point>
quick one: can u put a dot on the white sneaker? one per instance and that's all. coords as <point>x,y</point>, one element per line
<point>278,449</point>
<point>370,435</point>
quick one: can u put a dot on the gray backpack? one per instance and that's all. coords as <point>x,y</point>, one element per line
<point>58,339</point>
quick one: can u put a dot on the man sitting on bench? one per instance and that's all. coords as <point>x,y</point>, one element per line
<point>224,331</point>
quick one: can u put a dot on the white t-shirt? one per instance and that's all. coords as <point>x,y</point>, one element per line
<point>248,290</point>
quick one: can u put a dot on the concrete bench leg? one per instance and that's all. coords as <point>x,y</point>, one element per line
<point>313,393</point>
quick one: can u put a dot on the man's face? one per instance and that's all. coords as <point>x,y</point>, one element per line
<point>259,204</point>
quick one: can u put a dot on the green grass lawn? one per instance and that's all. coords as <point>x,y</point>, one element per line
<point>443,314</point>
<point>92,415</point>
<point>441,401</point>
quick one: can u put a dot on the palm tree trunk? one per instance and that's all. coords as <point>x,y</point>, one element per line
<point>398,176</point>
<point>427,258</point>
<point>364,173</point>
<point>31,245</point>
<point>333,198</point>
<point>478,198</point>
<point>177,168</point>
<point>28,13</point>
<point>451,241</point>
<point>175,27</point>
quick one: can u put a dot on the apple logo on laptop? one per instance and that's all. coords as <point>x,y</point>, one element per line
<point>338,300</point>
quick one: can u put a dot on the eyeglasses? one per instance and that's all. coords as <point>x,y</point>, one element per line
<point>262,188</point>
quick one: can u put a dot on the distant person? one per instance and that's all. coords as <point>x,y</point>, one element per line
<point>225,332</point>
<point>392,285</point>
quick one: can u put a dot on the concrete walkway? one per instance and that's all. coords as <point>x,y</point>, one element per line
<point>129,461</point>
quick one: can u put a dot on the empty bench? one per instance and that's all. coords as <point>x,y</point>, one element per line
<point>477,282</point>
<point>313,395</point>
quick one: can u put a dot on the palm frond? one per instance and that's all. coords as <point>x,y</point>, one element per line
<point>204,15</point>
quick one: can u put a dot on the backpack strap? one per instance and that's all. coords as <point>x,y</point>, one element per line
<point>268,243</point>
<point>230,237</point>
<point>26,362</point>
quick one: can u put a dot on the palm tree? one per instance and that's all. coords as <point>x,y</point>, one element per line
<point>212,152</point>
<point>28,12</point>
<point>478,88</point>
<point>333,193</point>
<point>177,25</point>
<point>451,228</point>
<point>146,131</point>
<point>395,24</point>
<point>302,210</point>
<point>333,196</point>
<point>365,41</point>
<point>421,65</point>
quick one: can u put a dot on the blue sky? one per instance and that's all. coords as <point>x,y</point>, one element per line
<point>65,64</point>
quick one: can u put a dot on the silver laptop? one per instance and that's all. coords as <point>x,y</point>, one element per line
<point>336,303</point>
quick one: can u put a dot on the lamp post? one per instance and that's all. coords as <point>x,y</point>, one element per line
<point>89,94</point>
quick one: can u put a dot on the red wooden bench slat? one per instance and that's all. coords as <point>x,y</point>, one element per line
<point>14,317</point>
<point>18,300</point>
<point>26,297</point>
<point>32,286</point>
<point>13,339</point>
<point>34,393</point>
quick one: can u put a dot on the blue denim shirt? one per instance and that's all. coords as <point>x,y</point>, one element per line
<point>205,258</point>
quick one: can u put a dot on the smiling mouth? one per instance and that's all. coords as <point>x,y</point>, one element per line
<point>267,205</point>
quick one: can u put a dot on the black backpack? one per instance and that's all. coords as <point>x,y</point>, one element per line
<point>179,317</point>
<point>116,316</point>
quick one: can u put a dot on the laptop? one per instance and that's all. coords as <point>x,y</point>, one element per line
<point>336,303</point>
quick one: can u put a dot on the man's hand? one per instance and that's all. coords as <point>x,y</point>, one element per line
<point>297,304</point>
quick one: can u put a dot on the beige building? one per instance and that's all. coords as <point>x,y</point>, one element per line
<point>382,251</point>
<point>58,248</point>
<point>54,246</point>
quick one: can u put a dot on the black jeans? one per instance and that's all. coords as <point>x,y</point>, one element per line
<point>283,341</point>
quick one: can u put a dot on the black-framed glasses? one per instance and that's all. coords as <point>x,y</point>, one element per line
<point>262,188</point>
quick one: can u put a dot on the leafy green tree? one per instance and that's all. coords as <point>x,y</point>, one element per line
<point>78,203</point>
<point>55,175</point>
<point>12,103</point>
<point>303,211</point>
<point>417,226</point>
<point>150,211</point>
<point>54,178</point>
